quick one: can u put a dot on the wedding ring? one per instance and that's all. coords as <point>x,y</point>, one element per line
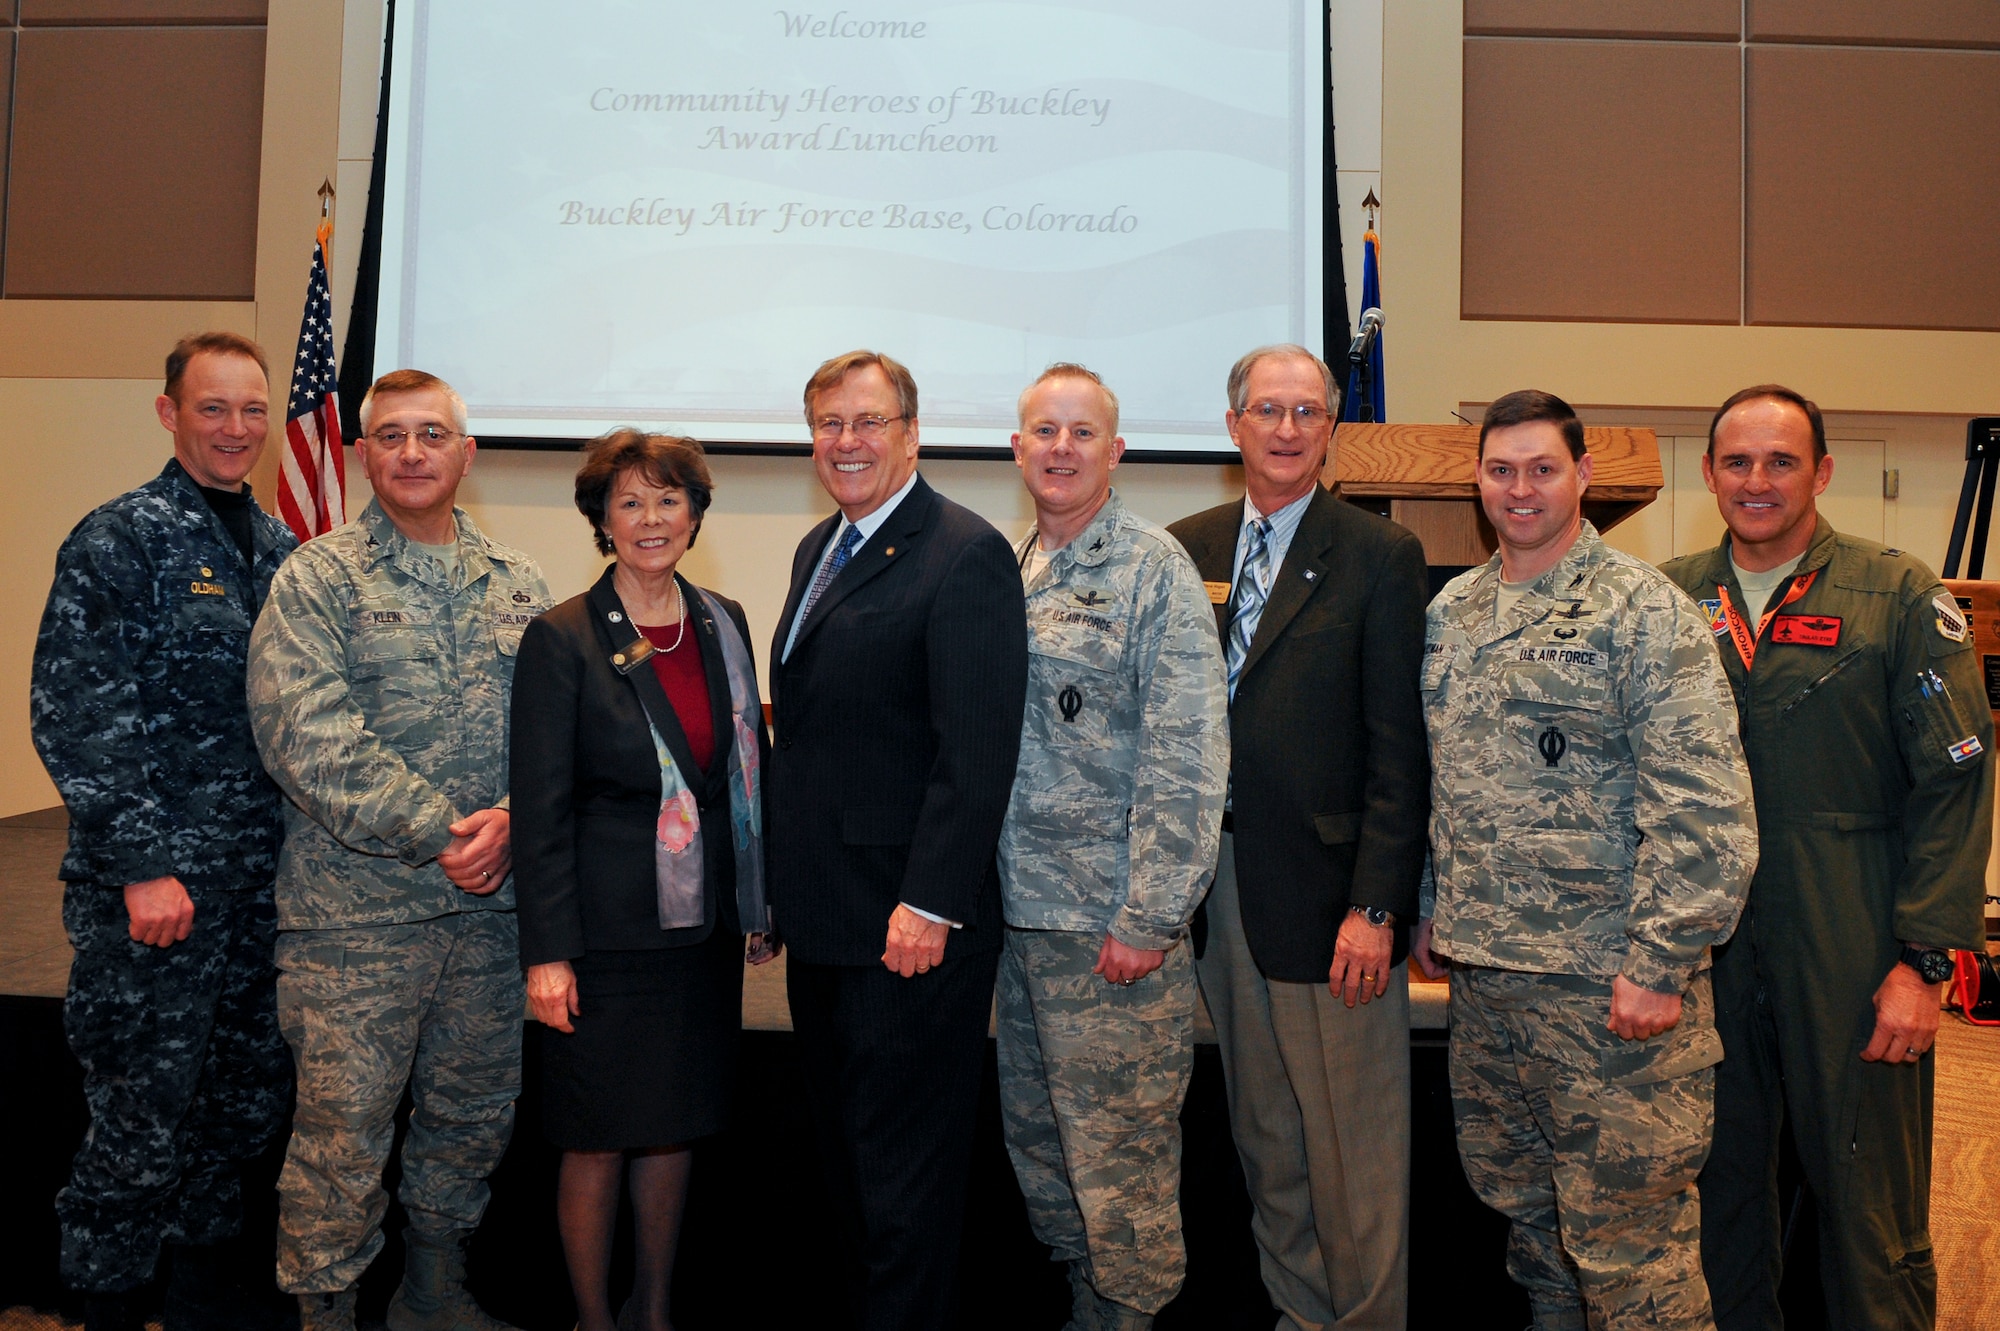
<point>487,873</point>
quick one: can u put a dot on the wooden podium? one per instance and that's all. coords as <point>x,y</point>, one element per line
<point>1425,477</point>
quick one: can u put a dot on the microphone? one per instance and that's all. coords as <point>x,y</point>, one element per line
<point>1371,324</point>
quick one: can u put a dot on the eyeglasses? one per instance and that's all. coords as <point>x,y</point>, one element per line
<point>1306,415</point>
<point>430,436</point>
<point>867,429</point>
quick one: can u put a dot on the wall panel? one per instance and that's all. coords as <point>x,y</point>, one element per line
<point>1872,188</point>
<point>1965,23</point>
<point>1602,181</point>
<point>125,13</point>
<point>1711,20</point>
<point>135,163</point>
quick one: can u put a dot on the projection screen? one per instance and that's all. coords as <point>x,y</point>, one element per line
<point>666,214</point>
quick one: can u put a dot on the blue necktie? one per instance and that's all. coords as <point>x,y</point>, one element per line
<point>1248,599</point>
<point>843,552</point>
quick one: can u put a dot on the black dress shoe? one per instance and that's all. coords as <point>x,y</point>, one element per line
<point>112,1312</point>
<point>206,1291</point>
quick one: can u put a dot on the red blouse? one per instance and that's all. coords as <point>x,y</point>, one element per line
<point>681,675</point>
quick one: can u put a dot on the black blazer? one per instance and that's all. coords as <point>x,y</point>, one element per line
<point>895,726</point>
<point>1329,760</point>
<point>586,785</point>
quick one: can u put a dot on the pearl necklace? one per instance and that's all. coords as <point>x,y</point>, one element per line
<point>680,617</point>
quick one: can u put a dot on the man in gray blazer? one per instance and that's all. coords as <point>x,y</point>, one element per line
<point>1321,610</point>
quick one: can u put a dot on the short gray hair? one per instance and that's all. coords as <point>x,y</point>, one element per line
<point>413,381</point>
<point>1068,369</point>
<point>1239,374</point>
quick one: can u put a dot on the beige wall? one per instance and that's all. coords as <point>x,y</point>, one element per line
<point>77,378</point>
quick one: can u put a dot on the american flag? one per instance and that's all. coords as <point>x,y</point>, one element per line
<point>312,475</point>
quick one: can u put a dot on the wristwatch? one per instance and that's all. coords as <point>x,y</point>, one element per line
<point>1375,915</point>
<point>1933,963</point>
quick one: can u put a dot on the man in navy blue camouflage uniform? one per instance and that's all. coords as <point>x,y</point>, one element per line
<point>139,713</point>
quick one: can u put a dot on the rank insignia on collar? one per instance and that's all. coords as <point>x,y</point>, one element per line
<point>1089,600</point>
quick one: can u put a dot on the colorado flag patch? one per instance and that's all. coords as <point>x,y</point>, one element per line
<point>1966,749</point>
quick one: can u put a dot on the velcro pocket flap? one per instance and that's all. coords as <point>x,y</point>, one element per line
<point>1074,815</point>
<point>1670,1054</point>
<point>1546,848</point>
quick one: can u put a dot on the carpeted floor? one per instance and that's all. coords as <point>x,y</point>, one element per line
<point>1965,1179</point>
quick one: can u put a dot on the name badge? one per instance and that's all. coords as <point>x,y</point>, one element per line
<point>1218,592</point>
<point>1806,630</point>
<point>207,589</point>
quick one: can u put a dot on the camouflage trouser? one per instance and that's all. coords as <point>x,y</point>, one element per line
<point>1092,1076</point>
<point>183,1072</point>
<point>436,1007</point>
<point>1590,1144</point>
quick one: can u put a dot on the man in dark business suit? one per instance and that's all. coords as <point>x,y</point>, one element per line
<point>1321,609</point>
<point>898,675</point>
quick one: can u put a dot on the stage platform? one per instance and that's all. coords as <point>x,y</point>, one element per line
<point>757,1251</point>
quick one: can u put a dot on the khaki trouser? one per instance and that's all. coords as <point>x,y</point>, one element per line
<point>1319,1105</point>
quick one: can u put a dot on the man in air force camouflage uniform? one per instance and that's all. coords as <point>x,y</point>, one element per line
<point>137,709</point>
<point>1108,846</point>
<point>1592,836</point>
<point>380,675</point>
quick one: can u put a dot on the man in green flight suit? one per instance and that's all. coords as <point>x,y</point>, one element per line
<point>1868,734</point>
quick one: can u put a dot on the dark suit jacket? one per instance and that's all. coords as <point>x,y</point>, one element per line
<point>586,785</point>
<point>1329,761</point>
<point>895,726</point>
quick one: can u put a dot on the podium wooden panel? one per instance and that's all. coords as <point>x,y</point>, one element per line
<point>1428,476</point>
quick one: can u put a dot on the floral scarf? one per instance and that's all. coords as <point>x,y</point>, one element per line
<point>677,851</point>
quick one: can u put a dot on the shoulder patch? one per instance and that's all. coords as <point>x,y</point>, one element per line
<point>1718,623</point>
<point>1950,619</point>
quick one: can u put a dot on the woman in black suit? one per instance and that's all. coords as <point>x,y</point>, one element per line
<point>638,742</point>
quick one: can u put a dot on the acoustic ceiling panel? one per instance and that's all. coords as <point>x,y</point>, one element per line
<point>1873,200</point>
<point>1700,20</point>
<point>1961,23</point>
<point>135,163</point>
<point>1602,181</point>
<point>123,13</point>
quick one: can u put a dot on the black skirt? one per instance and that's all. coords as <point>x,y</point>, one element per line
<point>653,1059</point>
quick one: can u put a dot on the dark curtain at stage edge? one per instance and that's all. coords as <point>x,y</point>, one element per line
<point>1339,328</point>
<point>357,357</point>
